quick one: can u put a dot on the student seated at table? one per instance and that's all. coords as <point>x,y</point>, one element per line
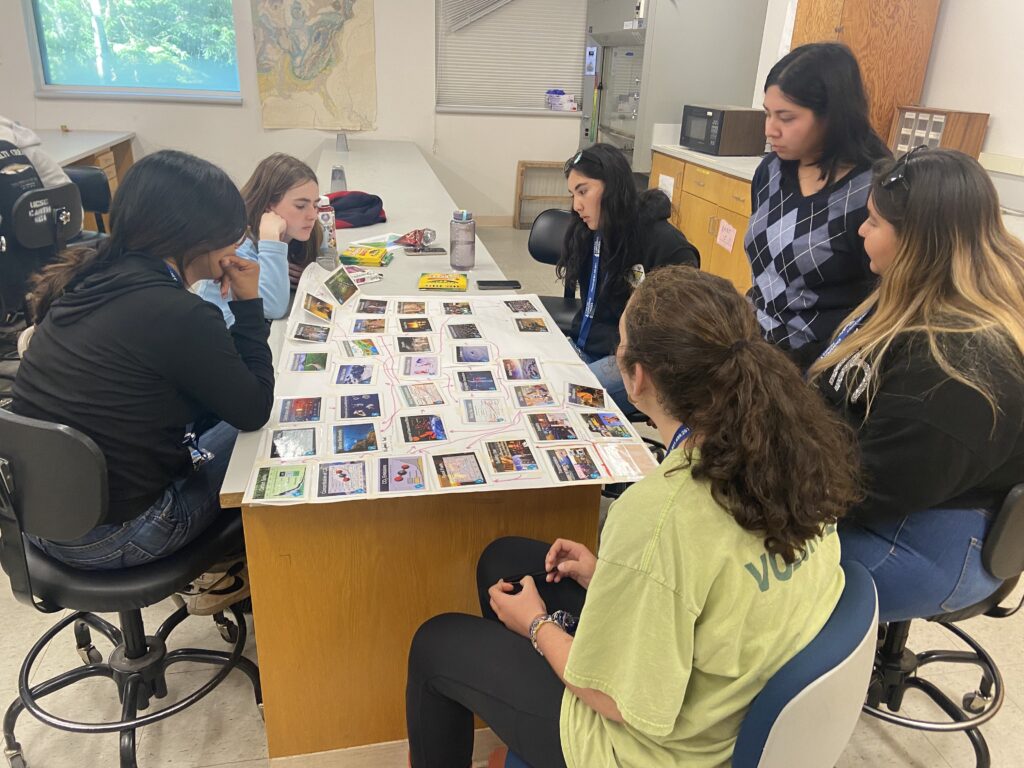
<point>126,354</point>
<point>713,571</point>
<point>930,371</point>
<point>617,237</point>
<point>282,232</point>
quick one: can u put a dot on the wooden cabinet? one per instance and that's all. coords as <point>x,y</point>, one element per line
<point>892,40</point>
<point>710,208</point>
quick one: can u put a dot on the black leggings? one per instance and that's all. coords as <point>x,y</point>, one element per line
<point>460,665</point>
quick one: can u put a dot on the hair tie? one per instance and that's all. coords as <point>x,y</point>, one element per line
<point>738,345</point>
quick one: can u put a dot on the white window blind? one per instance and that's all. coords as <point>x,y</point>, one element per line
<point>504,55</point>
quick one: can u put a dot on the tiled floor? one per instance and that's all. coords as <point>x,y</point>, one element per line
<point>225,728</point>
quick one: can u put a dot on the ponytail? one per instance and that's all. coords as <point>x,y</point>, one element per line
<point>772,452</point>
<point>55,278</point>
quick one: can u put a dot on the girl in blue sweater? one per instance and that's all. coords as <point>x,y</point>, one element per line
<point>281,232</point>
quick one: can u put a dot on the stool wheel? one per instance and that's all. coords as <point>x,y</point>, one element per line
<point>15,760</point>
<point>975,702</point>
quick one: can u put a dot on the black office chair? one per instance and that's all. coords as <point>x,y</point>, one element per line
<point>53,485</point>
<point>897,668</point>
<point>547,236</point>
<point>94,187</point>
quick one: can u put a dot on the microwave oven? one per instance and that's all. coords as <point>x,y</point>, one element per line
<point>723,130</point>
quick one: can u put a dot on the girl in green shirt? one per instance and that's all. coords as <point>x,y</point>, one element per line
<point>712,572</point>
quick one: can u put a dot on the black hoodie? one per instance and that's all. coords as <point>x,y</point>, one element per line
<point>130,357</point>
<point>660,244</point>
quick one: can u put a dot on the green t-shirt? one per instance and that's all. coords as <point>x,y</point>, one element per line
<point>686,618</point>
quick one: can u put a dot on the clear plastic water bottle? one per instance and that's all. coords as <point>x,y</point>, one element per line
<point>328,256</point>
<point>462,242</point>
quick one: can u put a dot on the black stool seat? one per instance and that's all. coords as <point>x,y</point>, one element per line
<point>562,309</point>
<point>128,589</point>
<point>985,606</point>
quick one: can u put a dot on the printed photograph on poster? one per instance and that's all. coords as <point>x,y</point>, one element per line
<point>521,305</point>
<point>318,307</point>
<point>587,397</point>
<point>412,308</point>
<point>314,333</point>
<point>361,348</point>
<point>477,381</point>
<point>341,478</point>
<point>549,427</point>
<point>369,325</point>
<point>476,353</point>
<point>359,406</point>
<point>419,395</point>
<point>414,344</point>
<point>296,409</point>
<point>457,308</point>
<point>533,396</point>
<point>371,307</point>
<point>455,470</point>
<point>423,429</point>
<point>354,374</point>
<point>606,424</point>
<point>626,460</point>
<point>308,362</point>
<point>293,443</point>
<point>484,410</point>
<point>531,325</point>
<point>511,456</point>
<point>573,464</point>
<point>427,365</point>
<point>521,369</point>
<point>396,474</point>
<point>414,325</point>
<point>286,482</point>
<point>340,285</point>
<point>354,438</point>
<point>464,331</point>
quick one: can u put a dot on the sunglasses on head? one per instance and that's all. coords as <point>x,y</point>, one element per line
<point>572,161</point>
<point>898,174</point>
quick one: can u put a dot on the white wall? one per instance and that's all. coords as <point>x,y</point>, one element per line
<point>475,156</point>
<point>778,30</point>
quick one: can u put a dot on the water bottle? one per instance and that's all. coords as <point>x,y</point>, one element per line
<point>328,257</point>
<point>463,241</point>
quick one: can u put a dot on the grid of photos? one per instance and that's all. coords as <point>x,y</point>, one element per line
<point>422,395</point>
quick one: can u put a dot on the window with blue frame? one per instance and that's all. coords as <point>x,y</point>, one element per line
<point>137,45</point>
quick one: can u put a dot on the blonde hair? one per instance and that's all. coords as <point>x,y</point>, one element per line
<point>957,277</point>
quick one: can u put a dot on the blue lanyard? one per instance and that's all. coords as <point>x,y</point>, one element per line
<point>677,439</point>
<point>849,328</point>
<point>172,273</point>
<point>591,305</point>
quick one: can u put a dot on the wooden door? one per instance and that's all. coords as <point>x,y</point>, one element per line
<point>699,219</point>
<point>732,264</point>
<point>892,40</point>
<point>817,21</point>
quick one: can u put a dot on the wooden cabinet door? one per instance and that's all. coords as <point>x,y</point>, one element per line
<point>732,264</point>
<point>673,168</point>
<point>892,40</point>
<point>699,219</point>
<point>817,21</point>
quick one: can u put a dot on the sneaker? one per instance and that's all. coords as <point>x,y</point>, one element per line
<point>216,590</point>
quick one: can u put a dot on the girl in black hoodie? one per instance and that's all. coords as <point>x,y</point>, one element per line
<point>124,352</point>
<point>616,239</point>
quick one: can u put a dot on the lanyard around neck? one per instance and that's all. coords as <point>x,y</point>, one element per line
<point>591,304</point>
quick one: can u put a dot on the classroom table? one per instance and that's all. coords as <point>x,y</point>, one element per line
<point>339,589</point>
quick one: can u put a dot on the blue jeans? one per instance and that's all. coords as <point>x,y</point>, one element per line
<point>187,507</point>
<point>607,371</point>
<point>923,564</point>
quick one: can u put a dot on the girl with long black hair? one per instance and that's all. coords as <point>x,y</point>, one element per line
<point>617,237</point>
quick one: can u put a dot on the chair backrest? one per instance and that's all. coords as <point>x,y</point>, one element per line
<point>53,484</point>
<point>94,186</point>
<point>1003,553</point>
<point>547,235</point>
<point>806,713</point>
<point>47,217</point>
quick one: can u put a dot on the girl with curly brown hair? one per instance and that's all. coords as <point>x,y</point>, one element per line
<point>713,571</point>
